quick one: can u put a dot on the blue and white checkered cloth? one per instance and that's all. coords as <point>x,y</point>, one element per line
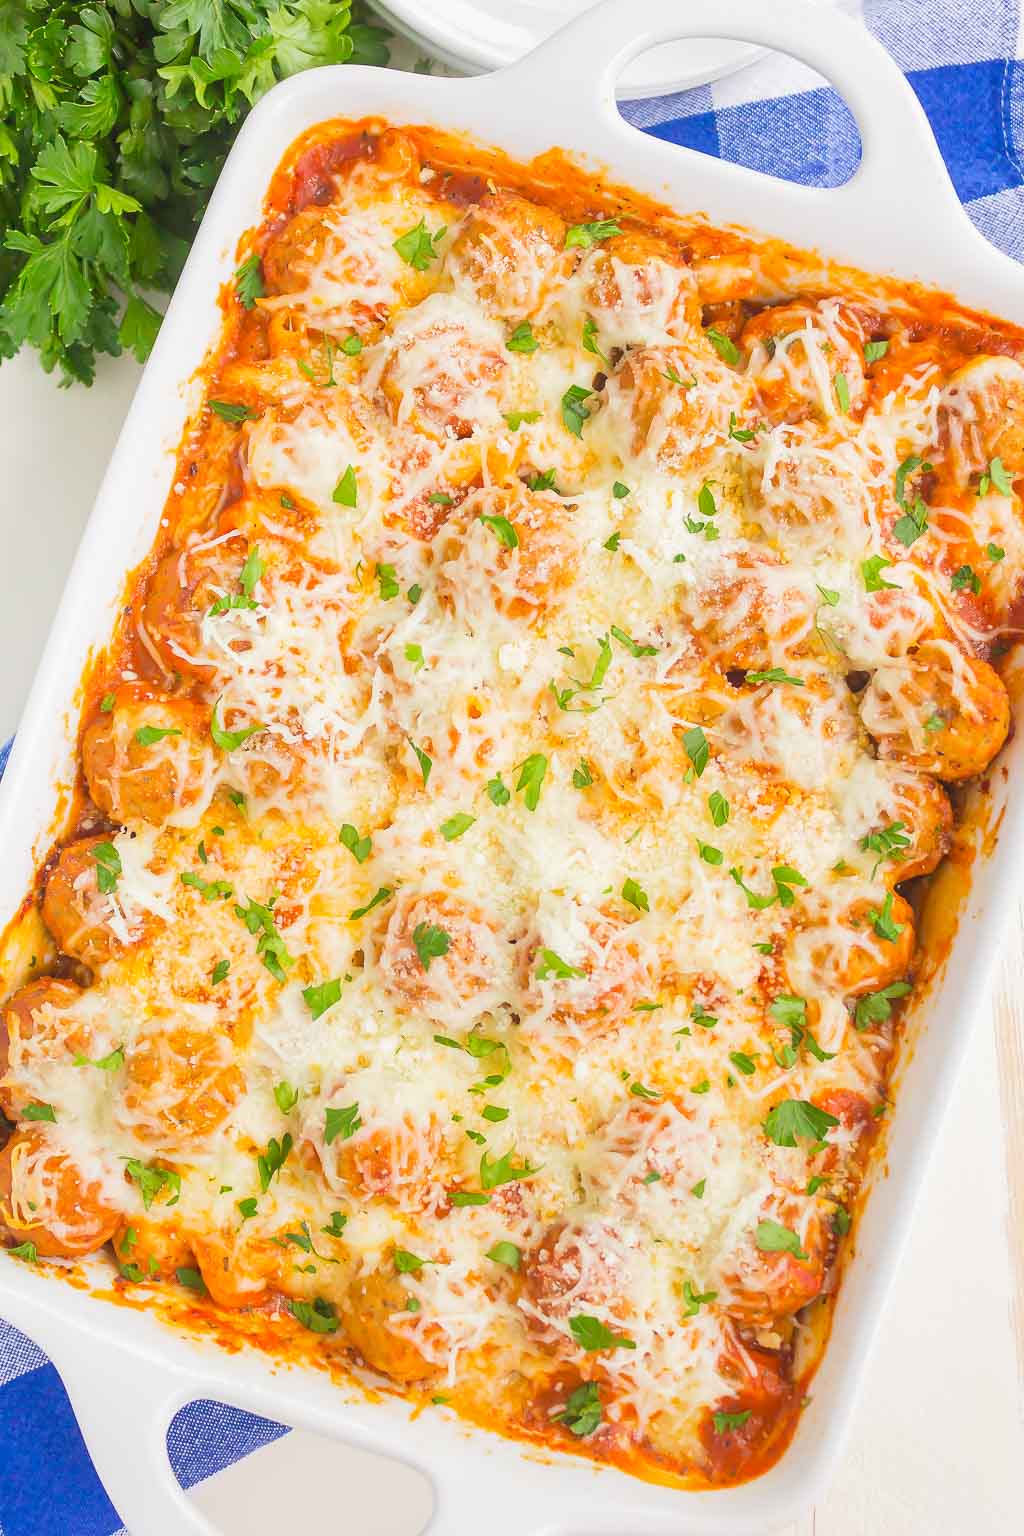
<point>966,65</point>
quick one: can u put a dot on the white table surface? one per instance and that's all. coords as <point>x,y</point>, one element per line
<point>938,1439</point>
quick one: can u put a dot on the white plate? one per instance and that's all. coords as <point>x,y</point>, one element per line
<point>475,35</point>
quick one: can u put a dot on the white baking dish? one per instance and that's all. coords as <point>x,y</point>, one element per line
<point>126,1373</point>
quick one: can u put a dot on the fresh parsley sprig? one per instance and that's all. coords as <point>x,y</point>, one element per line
<point>115,119</point>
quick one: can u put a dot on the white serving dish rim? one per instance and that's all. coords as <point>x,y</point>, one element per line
<point>470,39</point>
<point>125,1372</point>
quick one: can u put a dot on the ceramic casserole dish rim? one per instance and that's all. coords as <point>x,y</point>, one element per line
<point>127,1373</point>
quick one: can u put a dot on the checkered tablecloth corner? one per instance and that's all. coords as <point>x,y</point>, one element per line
<point>967,68</point>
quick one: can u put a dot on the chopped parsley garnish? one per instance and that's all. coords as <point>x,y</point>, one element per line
<point>871,572</point>
<point>695,744</point>
<point>417,247</point>
<point>696,1299</point>
<point>230,741</point>
<point>108,867</point>
<point>407,1263</point>
<point>505,1253</point>
<point>551,964</point>
<point>740,434</point>
<point>701,1017</point>
<point>285,1097</point>
<point>842,389</point>
<point>39,1111</point>
<point>876,1007</point>
<point>424,761</point>
<point>502,529</point>
<point>772,1237</point>
<point>498,791</point>
<point>582,1412</point>
<point>342,1122</point>
<point>542,482</point>
<point>774,675</point>
<point>352,345</point>
<point>522,339</point>
<point>191,1279</point>
<point>318,1316</point>
<point>789,1010</point>
<point>574,413</point>
<point>111,1063</point>
<point>387,582</point>
<point>726,349</point>
<point>996,475</point>
<point>635,895</point>
<point>709,853</point>
<point>582,775</point>
<point>589,340</point>
<point>639,1091</point>
<point>873,350</point>
<point>797,1117</point>
<point>270,1162</point>
<point>515,419</point>
<point>743,1063</point>
<point>620,491</point>
<point>149,735</point>
<point>249,281</point>
<point>346,492</point>
<point>581,236</point>
<point>828,596</point>
<point>632,646</point>
<point>724,1422</point>
<point>531,779</point>
<point>270,947</point>
<point>888,842</point>
<point>675,377</point>
<point>914,521</point>
<point>414,654</point>
<point>28,1253</point>
<point>236,414</point>
<point>431,943</point>
<point>965,579</point>
<point>882,921</point>
<point>153,1181</point>
<point>322,996</point>
<point>382,894</point>
<point>456,825</point>
<point>359,847</point>
<point>591,1334</point>
<point>108,700</point>
<point>995,552</point>
<point>504,1170</point>
<point>698,1189</point>
<point>783,877</point>
<point>209,890</point>
<point>475,1045</point>
<point>612,542</point>
<point>718,805</point>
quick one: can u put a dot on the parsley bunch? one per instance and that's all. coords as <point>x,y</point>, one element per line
<point>115,118</point>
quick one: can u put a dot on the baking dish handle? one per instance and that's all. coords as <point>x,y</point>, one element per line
<point>901,176</point>
<point>124,1406</point>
